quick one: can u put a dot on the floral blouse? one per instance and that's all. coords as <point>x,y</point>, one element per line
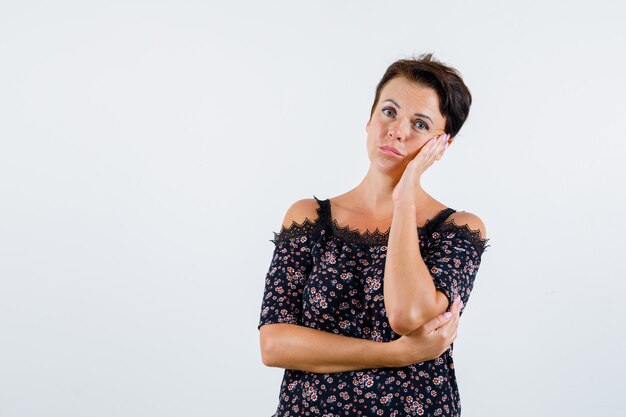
<point>330,278</point>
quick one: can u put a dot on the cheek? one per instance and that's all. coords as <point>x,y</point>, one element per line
<point>376,125</point>
<point>418,146</point>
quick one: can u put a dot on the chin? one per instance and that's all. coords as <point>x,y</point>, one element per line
<point>389,167</point>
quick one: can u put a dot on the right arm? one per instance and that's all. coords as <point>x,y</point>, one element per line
<point>292,346</point>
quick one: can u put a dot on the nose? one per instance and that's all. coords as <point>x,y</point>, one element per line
<point>400,129</point>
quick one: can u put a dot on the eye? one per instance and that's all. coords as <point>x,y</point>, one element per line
<point>389,111</point>
<point>421,125</point>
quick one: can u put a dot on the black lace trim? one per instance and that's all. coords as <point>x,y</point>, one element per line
<point>298,229</point>
<point>294,230</point>
<point>473,236</point>
<point>377,237</point>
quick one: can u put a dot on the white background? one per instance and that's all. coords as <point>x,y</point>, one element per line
<point>148,150</point>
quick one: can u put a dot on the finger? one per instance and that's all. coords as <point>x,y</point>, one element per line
<point>444,145</point>
<point>440,138</point>
<point>457,312</point>
<point>440,154</point>
<point>454,304</point>
<point>438,142</point>
<point>443,142</point>
<point>451,324</point>
<point>437,322</point>
<point>454,310</point>
<point>457,302</point>
<point>432,150</point>
<point>450,329</point>
<point>439,147</point>
<point>426,146</point>
<point>434,142</point>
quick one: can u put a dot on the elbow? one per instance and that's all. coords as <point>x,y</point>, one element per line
<point>266,356</point>
<point>268,347</point>
<point>405,323</point>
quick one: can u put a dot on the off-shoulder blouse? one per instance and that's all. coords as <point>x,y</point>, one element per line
<point>330,278</point>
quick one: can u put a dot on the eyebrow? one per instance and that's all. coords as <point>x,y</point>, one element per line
<point>416,114</point>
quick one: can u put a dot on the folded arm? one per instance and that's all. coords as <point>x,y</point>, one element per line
<point>292,346</point>
<point>411,295</point>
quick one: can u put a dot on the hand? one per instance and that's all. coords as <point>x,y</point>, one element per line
<point>431,340</point>
<point>430,152</point>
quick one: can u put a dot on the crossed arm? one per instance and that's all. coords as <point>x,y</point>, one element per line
<point>291,346</point>
<point>411,298</point>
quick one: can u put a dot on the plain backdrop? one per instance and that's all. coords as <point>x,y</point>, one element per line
<point>149,149</point>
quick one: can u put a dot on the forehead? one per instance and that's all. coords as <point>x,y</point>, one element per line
<point>412,97</point>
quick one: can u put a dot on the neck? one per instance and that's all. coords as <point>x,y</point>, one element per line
<point>374,192</point>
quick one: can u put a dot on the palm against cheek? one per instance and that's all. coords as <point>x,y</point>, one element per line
<point>432,151</point>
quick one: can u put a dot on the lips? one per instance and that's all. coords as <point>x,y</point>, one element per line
<point>391,149</point>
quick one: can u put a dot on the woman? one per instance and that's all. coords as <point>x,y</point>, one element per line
<point>363,322</point>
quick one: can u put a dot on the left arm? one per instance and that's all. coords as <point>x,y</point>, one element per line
<point>409,292</point>
<point>410,295</point>
<point>416,289</point>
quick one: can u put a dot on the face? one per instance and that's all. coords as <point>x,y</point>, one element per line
<point>405,118</point>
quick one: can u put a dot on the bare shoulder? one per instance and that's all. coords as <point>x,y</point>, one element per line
<point>472,221</point>
<point>301,210</point>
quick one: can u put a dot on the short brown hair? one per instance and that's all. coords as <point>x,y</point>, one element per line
<point>454,96</point>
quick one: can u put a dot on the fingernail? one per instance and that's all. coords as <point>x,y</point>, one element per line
<point>447,314</point>
<point>457,298</point>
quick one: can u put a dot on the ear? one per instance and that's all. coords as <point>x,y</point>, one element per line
<point>367,125</point>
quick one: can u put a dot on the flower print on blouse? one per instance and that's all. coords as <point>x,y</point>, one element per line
<point>330,278</point>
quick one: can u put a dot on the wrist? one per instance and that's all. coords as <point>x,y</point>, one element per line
<point>404,203</point>
<point>393,355</point>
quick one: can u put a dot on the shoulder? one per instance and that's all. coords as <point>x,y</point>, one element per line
<point>299,220</point>
<point>470,220</point>
<point>300,211</point>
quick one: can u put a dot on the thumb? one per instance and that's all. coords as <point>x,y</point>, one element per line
<point>437,322</point>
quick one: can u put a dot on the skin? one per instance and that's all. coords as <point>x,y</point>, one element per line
<point>398,127</point>
<point>391,197</point>
<point>391,189</point>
